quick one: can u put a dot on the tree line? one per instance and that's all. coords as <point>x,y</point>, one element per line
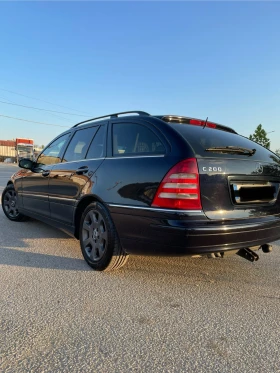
<point>260,136</point>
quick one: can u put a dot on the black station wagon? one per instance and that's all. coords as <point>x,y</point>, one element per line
<point>134,183</point>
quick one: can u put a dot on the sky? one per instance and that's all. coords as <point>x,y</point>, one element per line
<point>219,60</point>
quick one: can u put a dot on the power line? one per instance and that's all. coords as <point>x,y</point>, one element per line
<point>32,121</point>
<point>33,98</point>
<point>54,115</point>
<point>36,108</point>
<point>5,98</point>
<point>59,116</point>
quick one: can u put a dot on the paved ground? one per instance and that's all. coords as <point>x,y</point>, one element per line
<point>154,315</point>
<point>6,170</point>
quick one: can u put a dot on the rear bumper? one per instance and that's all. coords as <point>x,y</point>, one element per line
<point>203,239</point>
<point>163,233</point>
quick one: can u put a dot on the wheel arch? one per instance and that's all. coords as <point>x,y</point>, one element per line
<point>80,208</point>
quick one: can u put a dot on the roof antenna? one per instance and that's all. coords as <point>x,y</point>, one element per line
<point>205,123</point>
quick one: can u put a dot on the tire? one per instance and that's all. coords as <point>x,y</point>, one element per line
<point>9,204</point>
<point>99,240</point>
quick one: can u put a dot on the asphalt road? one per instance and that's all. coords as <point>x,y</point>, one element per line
<point>6,170</point>
<point>154,315</point>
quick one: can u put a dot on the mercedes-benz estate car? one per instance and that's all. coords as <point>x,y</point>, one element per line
<point>134,183</point>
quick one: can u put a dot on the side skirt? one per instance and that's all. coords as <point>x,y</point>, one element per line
<point>68,229</point>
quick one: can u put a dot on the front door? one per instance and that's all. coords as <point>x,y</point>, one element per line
<point>35,182</point>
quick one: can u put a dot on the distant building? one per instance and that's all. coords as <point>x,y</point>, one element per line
<point>8,150</point>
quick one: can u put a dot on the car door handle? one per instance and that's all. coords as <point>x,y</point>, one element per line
<point>82,170</point>
<point>46,173</point>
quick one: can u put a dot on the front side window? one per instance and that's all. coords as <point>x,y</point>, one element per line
<point>135,139</point>
<point>77,149</point>
<point>52,154</point>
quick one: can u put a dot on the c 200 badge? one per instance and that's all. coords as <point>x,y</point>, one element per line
<point>212,169</point>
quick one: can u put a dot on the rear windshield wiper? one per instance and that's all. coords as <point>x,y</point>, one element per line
<point>231,149</point>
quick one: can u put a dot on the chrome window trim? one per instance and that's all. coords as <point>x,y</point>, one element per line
<point>153,208</point>
<point>96,159</point>
<point>137,156</point>
<point>81,160</point>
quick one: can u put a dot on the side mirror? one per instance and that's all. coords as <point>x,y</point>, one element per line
<point>26,163</point>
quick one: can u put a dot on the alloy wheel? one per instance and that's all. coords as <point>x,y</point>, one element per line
<point>94,235</point>
<point>10,204</point>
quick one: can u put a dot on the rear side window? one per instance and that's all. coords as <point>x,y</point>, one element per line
<point>97,146</point>
<point>204,138</point>
<point>79,144</point>
<point>135,139</point>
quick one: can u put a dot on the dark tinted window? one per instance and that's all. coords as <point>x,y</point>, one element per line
<point>97,146</point>
<point>135,139</point>
<point>52,154</point>
<point>79,144</point>
<point>202,138</point>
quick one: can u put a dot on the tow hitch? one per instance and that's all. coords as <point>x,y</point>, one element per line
<point>248,254</point>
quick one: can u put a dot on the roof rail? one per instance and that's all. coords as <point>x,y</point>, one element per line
<point>113,116</point>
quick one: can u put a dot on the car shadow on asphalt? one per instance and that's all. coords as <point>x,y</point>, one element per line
<point>14,257</point>
<point>38,245</point>
<point>19,231</point>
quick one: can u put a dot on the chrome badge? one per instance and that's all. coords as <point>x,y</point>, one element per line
<point>259,168</point>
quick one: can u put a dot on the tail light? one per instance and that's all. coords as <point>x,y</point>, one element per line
<point>180,187</point>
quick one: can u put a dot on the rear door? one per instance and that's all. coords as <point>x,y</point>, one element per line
<point>69,179</point>
<point>136,162</point>
<point>234,184</point>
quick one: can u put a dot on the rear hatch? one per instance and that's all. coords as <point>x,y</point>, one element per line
<point>238,178</point>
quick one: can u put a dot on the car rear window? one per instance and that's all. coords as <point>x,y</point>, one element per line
<point>201,138</point>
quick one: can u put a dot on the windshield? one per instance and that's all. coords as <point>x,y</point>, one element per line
<point>201,139</point>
